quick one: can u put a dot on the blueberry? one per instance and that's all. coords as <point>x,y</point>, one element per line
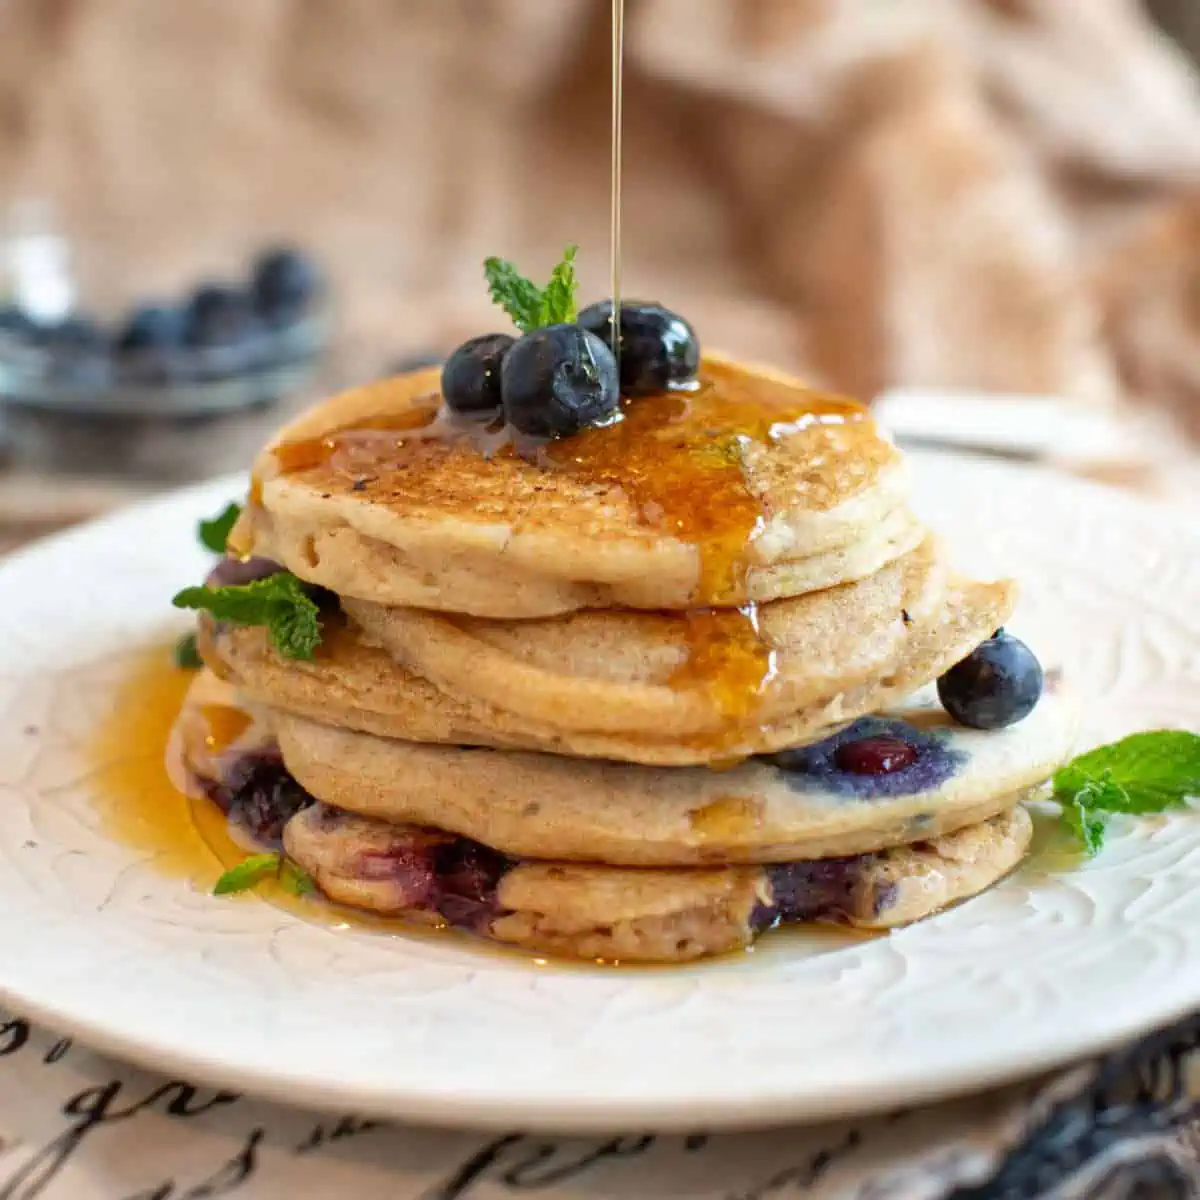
<point>284,283</point>
<point>267,801</point>
<point>219,315</point>
<point>558,381</point>
<point>261,796</point>
<point>870,758</point>
<point>875,755</point>
<point>995,686</point>
<point>825,889</point>
<point>152,327</point>
<point>77,350</point>
<point>234,572</point>
<point>659,349</point>
<point>471,376</point>
<point>467,876</point>
<point>150,344</point>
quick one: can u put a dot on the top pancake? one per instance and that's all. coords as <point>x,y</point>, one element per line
<point>748,488</point>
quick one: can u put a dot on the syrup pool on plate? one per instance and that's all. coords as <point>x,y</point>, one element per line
<point>188,837</point>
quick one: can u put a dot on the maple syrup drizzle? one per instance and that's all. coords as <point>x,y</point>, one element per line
<point>137,760</point>
<point>676,456</point>
<point>223,725</point>
<point>728,657</point>
<point>618,101</point>
<point>137,802</point>
<point>728,818</point>
<point>371,441</point>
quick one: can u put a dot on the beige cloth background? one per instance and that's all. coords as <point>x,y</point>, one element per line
<point>990,193</point>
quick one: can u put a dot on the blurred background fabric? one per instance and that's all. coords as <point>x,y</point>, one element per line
<point>987,194</point>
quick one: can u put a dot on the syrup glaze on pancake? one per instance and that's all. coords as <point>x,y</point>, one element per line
<point>677,458</point>
<point>705,468</point>
<point>674,506</point>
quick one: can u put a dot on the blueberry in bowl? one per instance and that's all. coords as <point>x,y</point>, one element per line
<point>284,285</point>
<point>223,329</point>
<point>220,315</point>
<point>558,381</point>
<point>659,349</point>
<point>77,351</point>
<point>998,684</point>
<point>149,348</point>
<point>152,326</point>
<point>471,376</point>
<point>74,333</point>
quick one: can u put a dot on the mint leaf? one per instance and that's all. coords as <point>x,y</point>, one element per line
<point>215,533</point>
<point>295,625</point>
<point>558,300</point>
<point>530,306</point>
<point>279,603</point>
<point>187,657</point>
<point>518,296</point>
<point>249,873</point>
<point>1143,773</point>
<point>297,881</point>
<point>1085,825</point>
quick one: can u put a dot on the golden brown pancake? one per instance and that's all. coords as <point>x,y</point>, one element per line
<point>679,674</point>
<point>747,489</point>
<point>356,685</point>
<point>548,807</point>
<point>649,915</point>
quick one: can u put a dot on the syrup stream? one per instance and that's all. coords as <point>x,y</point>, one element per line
<point>618,89</point>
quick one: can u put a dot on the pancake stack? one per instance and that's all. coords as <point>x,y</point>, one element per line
<point>638,694</point>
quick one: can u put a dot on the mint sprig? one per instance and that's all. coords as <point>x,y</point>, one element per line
<point>279,602</point>
<point>258,868</point>
<point>213,534</point>
<point>529,306</point>
<point>1143,773</point>
<point>558,300</point>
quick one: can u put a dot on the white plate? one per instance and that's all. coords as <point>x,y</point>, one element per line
<point>1038,971</point>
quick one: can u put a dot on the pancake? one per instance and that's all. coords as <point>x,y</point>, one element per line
<point>747,489</point>
<point>631,915</point>
<point>355,685</point>
<point>544,806</point>
<point>679,675</point>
